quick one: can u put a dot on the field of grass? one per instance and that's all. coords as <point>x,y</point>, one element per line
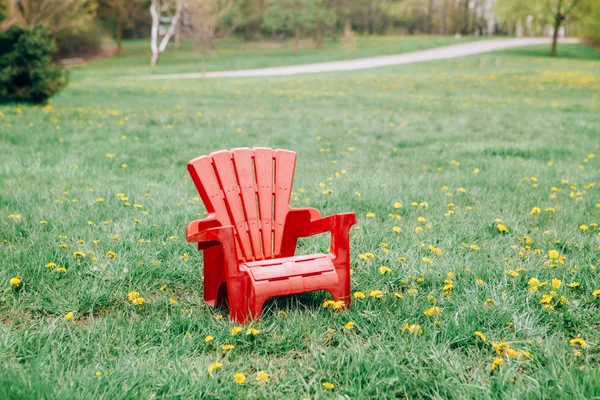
<point>237,54</point>
<point>494,159</point>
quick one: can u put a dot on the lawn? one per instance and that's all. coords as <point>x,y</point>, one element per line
<point>493,158</point>
<point>236,54</point>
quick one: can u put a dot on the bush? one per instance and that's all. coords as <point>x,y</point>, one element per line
<point>27,72</point>
<point>79,42</point>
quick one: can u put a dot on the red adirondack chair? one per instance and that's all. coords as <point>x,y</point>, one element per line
<point>249,237</point>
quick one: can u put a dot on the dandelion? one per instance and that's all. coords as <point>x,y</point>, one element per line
<point>502,228</point>
<point>15,282</point>
<point>535,210</point>
<point>173,302</point>
<point>421,219</point>
<point>239,378</point>
<point>138,301</point>
<point>426,260</point>
<point>556,283</point>
<point>133,295</point>
<point>235,330</point>
<point>61,270</point>
<point>252,332</point>
<point>414,328</point>
<point>596,294</point>
<point>227,347</point>
<point>215,366</point>
<point>359,295</point>
<point>497,362</point>
<point>328,385</point>
<point>78,254</point>
<point>208,339</point>
<point>583,228</point>
<point>98,374</point>
<point>370,215</point>
<point>578,342</point>
<point>573,285</point>
<point>349,325</point>
<point>376,294</point>
<point>397,205</point>
<point>398,296</point>
<point>261,376</point>
<point>384,270</point>
<point>68,316</point>
<point>553,254</point>
<point>481,336</point>
<point>433,311</point>
<point>397,229</point>
<point>111,254</point>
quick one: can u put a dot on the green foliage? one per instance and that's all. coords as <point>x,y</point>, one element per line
<point>296,15</point>
<point>26,69</point>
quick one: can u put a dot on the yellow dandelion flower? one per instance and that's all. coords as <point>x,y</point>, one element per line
<point>359,295</point>
<point>138,301</point>
<point>433,311</point>
<point>61,270</point>
<point>497,362</point>
<point>397,205</point>
<point>79,254</point>
<point>252,332</point>
<point>261,376</point>
<point>239,378</point>
<point>578,342</point>
<point>481,336</point>
<point>208,339</point>
<point>215,366</point>
<point>553,254</point>
<point>133,295</point>
<point>328,385</point>
<point>111,254</point>
<point>370,215</point>
<point>69,316</point>
<point>349,325</point>
<point>502,228</point>
<point>384,270</point>
<point>235,330</point>
<point>376,294</point>
<point>556,283</point>
<point>15,282</point>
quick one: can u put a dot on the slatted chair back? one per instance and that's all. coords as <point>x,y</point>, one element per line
<point>250,190</point>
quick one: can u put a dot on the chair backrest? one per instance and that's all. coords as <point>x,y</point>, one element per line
<point>249,189</point>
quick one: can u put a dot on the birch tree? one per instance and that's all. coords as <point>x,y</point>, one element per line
<point>172,9</point>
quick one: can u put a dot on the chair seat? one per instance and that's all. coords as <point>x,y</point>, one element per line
<point>289,267</point>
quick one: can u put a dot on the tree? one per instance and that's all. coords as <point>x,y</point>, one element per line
<point>298,16</point>
<point>56,15</point>
<point>118,15</point>
<point>541,13</point>
<point>172,9</point>
<point>199,22</point>
<point>562,10</point>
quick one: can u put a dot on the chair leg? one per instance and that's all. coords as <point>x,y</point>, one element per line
<point>342,291</point>
<point>240,298</point>
<point>214,275</point>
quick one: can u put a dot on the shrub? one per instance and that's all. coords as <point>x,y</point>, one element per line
<point>80,42</point>
<point>27,72</point>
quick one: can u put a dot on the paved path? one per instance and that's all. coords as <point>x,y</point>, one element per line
<point>453,51</point>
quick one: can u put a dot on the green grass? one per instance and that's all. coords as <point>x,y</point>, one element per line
<point>237,54</point>
<point>414,133</point>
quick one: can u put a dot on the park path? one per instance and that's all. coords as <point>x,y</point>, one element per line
<point>440,53</point>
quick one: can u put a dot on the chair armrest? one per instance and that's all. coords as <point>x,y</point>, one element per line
<point>224,237</point>
<point>200,225</point>
<point>308,221</point>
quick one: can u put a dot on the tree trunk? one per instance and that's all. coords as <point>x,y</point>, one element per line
<point>119,36</point>
<point>318,38</point>
<point>430,18</point>
<point>158,50</point>
<point>558,18</point>
<point>557,22</point>
<point>296,40</point>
